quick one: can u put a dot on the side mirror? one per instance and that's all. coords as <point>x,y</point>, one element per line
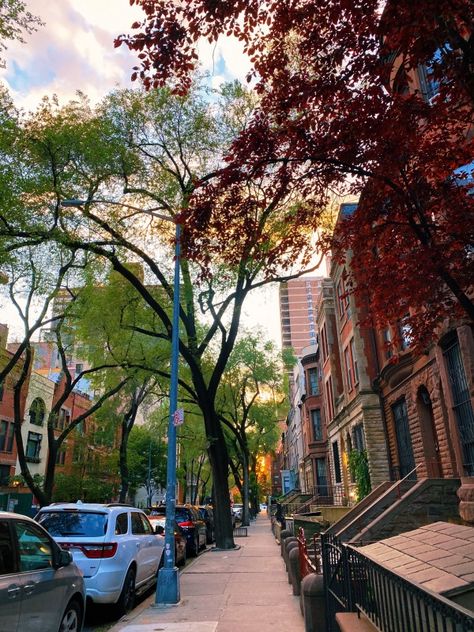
<point>64,558</point>
<point>159,530</point>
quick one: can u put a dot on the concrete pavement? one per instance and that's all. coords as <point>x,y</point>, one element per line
<point>244,590</point>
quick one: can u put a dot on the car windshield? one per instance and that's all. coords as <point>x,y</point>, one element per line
<point>183,515</point>
<point>73,523</point>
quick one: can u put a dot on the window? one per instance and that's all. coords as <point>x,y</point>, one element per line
<point>343,298</point>
<point>147,528</point>
<point>337,462</point>
<point>355,365</point>
<point>316,423</point>
<point>329,399</point>
<point>37,412</point>
<point>61,457</point>
<point>137,524</point>
<point>6,436</point>
<point>324,342</point>
<point>348,364</point>
<point>33,446</point>
<point>387,338</point>
<point>63,419</point>
<point>429,84</point>
<point>358,438</point>
<point>462,405</point>
<point>121,524</point>
<point>2,386</point>
<point>313,386</point>
<point>404,331</point>
<point>34,547</point>
<point>7,561</point>
<point>79,368</point>
<point>4,476</point>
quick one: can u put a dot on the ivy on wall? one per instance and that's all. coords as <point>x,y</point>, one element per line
<point>359,467</point>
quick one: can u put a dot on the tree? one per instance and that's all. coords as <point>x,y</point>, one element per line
<point>14,20</point>
<point>248,401</point>
<point>326,121</point>
<point>117,340</point>
<point>146,460</point>
<point>36,278</point>
<point>132,160</point>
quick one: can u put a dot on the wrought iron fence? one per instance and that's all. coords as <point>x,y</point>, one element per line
<point>354,583</point>
<point>310,556</point>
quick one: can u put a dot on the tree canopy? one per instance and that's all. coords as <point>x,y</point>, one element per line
<point>332,115</point>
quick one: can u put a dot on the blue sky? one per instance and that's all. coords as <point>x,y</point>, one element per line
<point>74,51</point>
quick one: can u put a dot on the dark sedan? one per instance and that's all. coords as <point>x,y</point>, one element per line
<point>190,521</point>
<point>158,524</point>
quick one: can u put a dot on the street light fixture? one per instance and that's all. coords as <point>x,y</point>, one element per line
<point>167,588</point>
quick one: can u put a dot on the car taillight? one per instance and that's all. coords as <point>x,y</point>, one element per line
<point>93,551</point>
<point>186,525</point>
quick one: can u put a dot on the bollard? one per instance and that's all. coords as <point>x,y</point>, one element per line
<point>285,548</point>
<point>284,533</point>
<point>314,604</point>
<point>289,547</point>
<point>295,570</point>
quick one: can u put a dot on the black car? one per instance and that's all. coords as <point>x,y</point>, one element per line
<point>207,515</point>
<point>194,527</point>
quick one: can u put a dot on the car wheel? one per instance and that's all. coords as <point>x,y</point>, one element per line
<point>195,549</point>
<point>72,617</point>
<point>126,600</point>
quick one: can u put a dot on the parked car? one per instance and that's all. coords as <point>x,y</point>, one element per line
<point>194,527</point>
<point>237,510</point>
<point>41,589</point>
<point>207,515</point>
<point>159,523</point>
<point>113,544</point>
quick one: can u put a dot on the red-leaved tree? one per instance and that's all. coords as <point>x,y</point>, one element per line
<point>331,116</point>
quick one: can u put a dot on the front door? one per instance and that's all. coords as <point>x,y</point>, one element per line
<point>406,459</point>
<point>321,477</point>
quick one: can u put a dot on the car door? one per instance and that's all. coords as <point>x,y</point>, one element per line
<point>43,588</point>
<point>141,542</point>
<point>154,547</point>
<point>10,583</point>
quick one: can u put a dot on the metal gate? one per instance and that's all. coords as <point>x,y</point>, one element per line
<point>336,574</point>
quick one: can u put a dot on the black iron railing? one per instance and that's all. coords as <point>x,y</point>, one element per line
<point>395,604</point>
<point>355,583</point>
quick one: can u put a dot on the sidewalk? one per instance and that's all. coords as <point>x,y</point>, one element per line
<point>245,590</point>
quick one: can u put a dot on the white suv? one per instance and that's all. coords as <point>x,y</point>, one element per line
<point>113,545</point>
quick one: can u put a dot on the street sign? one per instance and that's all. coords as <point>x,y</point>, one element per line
<point>178,417</point>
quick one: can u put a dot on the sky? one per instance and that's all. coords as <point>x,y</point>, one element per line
<point>74,51</point>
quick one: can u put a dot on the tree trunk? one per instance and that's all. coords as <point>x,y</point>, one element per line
<point>123,465</point>
<point>219,460</point>
<point>245,486</point>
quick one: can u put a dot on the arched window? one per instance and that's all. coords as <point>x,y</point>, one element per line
<point>37,412</point>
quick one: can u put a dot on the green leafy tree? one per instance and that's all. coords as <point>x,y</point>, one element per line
<point>14,21</point>
<point>146,460</point>
<point>135,159</point>
<point>249,398</point>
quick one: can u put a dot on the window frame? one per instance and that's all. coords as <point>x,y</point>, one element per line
<point>320,425</point>
<point>35,456</point>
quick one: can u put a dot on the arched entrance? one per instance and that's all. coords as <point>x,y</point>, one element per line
<point>429,436</point>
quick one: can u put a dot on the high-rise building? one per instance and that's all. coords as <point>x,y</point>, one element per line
<point>298,298</point>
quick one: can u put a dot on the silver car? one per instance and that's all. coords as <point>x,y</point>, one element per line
<point>41,589</point>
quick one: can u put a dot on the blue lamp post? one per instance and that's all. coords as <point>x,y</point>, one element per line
<point>167,588</point>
